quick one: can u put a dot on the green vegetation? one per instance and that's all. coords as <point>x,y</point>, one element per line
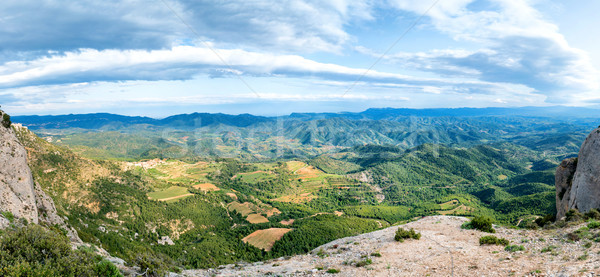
<point>365,262</point>
<point>402,234</point>
<point>6,120</point>
<point>333,271</point>
<point>592,214</point>
<point>593,224</point>
<point>36,251</point>
<point>493,240</point>
<point>481,223</point>
<point>514,248</point>
<point>542,221</point>
<point>376,254</point>
<point>549,248</point>
<point>8,215</point>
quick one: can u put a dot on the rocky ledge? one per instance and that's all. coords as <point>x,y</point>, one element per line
<point>443,250</point>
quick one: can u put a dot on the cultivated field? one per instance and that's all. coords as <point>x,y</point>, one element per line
<point>256,218</point>
<point>206,187</point>
<point>172,193</point>
<point>265,239</point>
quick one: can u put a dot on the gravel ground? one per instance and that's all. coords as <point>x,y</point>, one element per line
<point>443,250</point>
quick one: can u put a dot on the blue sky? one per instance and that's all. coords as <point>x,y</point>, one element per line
<point>165,57</point>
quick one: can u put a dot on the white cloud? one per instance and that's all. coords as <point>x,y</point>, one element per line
<point>518,45</point>
<point>185,62</point>
<point>282,26</point>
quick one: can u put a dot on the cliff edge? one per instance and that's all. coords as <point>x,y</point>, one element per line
<point>578,179</point>
<point>21,198</point>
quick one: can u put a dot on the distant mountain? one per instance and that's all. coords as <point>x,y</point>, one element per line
<point>84,121</point>
<point>195,120</point>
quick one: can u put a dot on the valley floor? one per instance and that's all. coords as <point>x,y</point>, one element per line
<point>443,250</point>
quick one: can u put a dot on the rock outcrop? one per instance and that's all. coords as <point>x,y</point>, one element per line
<point>20,197</point>
<point>578,179</point>
<point>564,180</point>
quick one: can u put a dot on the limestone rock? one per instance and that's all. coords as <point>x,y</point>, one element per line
<point>19,194</point>
<point>585,191</point>
<point>578,179</point>
<point>564,180</point>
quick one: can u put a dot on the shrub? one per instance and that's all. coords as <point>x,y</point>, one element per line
<point>483,223</point>
<point>573,215</point>
<point>514,248</point>
<point>542,221</point>
<point>402,234</point>
<point>364,262</point>
<point>579,234</point>
<point>8,215</point>
<point>493,240</point>
<point>593,224</point>
<point>108,269</point>
<point>592,214</point>
<point>150,264</point>
<point>35,251</point>
<point>548,248</point>
<point>333,271</point>
<point>6,120</point>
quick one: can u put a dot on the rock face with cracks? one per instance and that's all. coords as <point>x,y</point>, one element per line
<point>20,196</point>
<point>578,179</point>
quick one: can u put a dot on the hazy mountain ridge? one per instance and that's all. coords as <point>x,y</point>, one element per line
<point>254,138</point>
<point>98,120</point>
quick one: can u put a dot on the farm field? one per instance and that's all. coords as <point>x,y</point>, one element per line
<point>172,193</point>
<point>256,219</point>
<point>206,187</point>
<point>264,239</point>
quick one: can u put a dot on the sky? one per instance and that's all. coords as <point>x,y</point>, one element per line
<point>163,57</point>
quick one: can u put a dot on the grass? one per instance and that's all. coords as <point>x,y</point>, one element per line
<point>172,193</point>
<point>264,239</point>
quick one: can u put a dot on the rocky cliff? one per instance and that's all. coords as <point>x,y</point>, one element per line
<point>578,179</point>
<point>21,199</point>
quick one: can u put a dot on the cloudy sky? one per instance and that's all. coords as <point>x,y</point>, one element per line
<point>163,57</point>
